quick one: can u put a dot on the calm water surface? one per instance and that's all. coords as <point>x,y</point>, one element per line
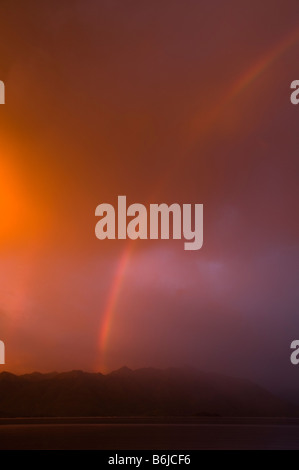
<point>149,433</point>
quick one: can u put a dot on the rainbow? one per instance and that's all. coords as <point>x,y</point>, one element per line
<point>248,77</point>
<point>262,64</point>
<point>111,303</point>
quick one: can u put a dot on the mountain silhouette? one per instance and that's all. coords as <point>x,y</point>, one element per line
<point>141,392</point>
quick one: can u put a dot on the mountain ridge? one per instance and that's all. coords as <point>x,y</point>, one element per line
<point>140,392</point>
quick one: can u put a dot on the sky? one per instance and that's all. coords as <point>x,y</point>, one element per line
<point>185,102</point>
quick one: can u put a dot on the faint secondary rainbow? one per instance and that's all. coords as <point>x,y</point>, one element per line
<point>112,299</point>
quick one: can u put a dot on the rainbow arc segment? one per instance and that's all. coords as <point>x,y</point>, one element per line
<point>239,86</point>
<point>112,299</point>
<point>247,78</point>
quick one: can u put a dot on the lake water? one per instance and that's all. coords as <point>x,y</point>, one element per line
<point>149,433</point>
